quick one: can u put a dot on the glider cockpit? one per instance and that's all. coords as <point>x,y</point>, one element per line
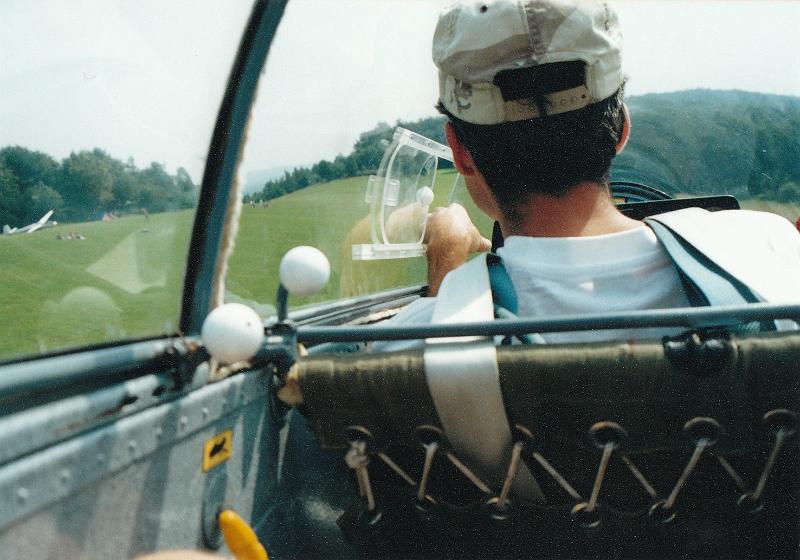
<point>654,448</point>
<point>172,353</point>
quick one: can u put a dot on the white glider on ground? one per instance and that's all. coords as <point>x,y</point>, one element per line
<point>30,228</point>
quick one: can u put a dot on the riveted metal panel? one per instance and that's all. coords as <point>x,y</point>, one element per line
<point>27,431</point>
<point>136,484</point>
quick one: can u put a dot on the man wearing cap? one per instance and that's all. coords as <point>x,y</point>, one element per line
<point>533,92</point>
<point>533,95</point>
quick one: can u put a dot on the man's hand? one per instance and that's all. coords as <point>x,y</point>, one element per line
<point>451,237</point>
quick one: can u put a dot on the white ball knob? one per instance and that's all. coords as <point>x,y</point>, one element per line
<point>425,196</point>
<point>304,270</point>
<point>232,333</point>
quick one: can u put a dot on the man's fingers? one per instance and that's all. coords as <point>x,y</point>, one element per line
<point>484,245</point>
<point>452,229</point>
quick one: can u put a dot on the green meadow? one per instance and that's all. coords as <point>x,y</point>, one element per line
<point>125,279</point>
<point>332,217</point>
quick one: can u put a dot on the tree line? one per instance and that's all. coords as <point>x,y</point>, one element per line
<point>84,185</point>
<point>363,160</point>
<point>696,141</point>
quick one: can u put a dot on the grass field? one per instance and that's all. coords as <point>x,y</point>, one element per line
<point>331,217</point>
<point>125,279</point>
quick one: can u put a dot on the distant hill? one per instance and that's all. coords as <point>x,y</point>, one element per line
<point>695,141</point>
<point>709,141</point>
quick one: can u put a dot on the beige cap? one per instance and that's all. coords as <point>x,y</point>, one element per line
<point>475,41</point>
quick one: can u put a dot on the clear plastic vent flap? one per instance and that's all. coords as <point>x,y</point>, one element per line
<point>399,197</point>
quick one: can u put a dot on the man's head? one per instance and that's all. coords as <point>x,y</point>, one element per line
<point>533,91</point>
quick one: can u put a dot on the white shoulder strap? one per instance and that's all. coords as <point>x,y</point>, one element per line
<point>759,249</point>
<point>464,381</point>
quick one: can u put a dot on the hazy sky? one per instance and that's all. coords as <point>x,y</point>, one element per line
<point>144,79</point>
<point>138,78</point>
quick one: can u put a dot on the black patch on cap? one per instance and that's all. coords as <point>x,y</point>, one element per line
<point>536,81</point>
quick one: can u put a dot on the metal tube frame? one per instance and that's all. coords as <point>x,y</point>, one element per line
<point>689,317</point>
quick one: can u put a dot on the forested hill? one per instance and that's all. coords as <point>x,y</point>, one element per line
<point>706,141</point>
<point>697,141</point>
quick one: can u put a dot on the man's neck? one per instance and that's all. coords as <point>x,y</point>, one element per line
<point>585,210</point>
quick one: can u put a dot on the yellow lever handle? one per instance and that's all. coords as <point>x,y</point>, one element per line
<point>240,537</point>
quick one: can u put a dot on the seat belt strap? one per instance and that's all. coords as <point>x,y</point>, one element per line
<point>464,382</point>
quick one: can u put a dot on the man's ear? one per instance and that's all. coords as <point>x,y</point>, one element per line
<point>626,129</point>
<point>461,156</point>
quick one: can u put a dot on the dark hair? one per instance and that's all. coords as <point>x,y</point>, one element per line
<point>545,155</point>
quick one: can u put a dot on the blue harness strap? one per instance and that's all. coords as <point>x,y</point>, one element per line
<point>504,296</point>
<point>715,285</point>
<point>503,293</point>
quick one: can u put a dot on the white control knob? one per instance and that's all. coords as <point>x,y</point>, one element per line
<point>232,333</point>
<point>304,270</point>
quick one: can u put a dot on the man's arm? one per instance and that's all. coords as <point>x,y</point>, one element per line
<point>450,236</point>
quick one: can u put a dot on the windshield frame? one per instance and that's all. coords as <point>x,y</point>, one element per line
<point>206,261</point>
